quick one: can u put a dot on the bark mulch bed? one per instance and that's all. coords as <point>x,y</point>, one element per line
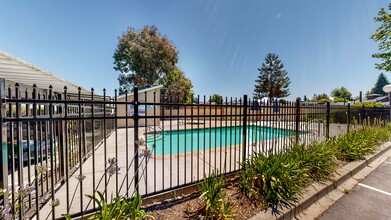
<point>176,208</point>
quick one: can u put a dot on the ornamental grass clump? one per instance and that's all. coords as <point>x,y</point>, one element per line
<point>119,208</point>
<point>380,134</point>
<point>215,205</point>
<point>273,180</point>
<point>351,147</point>
<point>357,144</point>
<point>279,179</point>
<point>317,159</point>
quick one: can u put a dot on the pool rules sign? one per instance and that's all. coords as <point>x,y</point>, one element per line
<point>141,109</point>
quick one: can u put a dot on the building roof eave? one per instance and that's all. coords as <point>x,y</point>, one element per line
<point>19,71</point>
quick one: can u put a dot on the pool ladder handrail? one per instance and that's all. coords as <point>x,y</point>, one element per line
<point>153,129</point>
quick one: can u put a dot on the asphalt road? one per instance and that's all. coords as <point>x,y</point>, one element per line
<point>370,199</point>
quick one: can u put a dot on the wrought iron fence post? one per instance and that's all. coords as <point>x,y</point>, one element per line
<point>364,116</point>
<point>19,146</point>
<point>66,148</point>
<point>61,136</point>
<point>52,150</point>
<point>297,121</point>
<point>135,118</point>
<point>4,150</point>
<point>35,135</point>
<point>244,134</point>
<point>83,130</point>
<point>116,138</point>
<point>348,119</point>
<point>328,120</point>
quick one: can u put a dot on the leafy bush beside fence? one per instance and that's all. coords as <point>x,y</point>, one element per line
<point>273,179</point>
<point>214,203</point>
<point>317,159</point>
<point>280,179</point>
<point>119,208</point>
<point>368,104</point>
<point>357,144</point>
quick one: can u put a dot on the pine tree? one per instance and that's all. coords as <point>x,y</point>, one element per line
<point>380,83</point>
<point>273,80</point>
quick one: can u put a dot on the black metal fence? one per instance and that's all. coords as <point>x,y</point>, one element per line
<point>57,148</point>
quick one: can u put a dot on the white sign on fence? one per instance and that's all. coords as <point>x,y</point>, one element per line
<point>141,109</point>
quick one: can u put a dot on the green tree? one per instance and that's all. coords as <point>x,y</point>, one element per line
<point>216,98</point>
<point>273,80</point>
<point>380,83</point>
<point>283,101</point>
<point>323,97</point>
<point>143,57</point>
<point>341,93</point>
<point>338,99</point>
<point>176,87</point>
<point>382,35</point>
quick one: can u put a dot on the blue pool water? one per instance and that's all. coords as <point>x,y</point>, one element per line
<point>185,141</point>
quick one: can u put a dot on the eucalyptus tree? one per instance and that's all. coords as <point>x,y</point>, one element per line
<point>143,57</point>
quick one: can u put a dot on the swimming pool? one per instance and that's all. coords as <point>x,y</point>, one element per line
<point>191,140</point>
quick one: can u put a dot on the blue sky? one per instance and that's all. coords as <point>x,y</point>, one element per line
<point>221,43</point>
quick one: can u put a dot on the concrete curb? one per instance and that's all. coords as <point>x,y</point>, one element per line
<point>317,190</point>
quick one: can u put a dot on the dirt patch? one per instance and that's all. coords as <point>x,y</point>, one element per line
<point>176,208</point>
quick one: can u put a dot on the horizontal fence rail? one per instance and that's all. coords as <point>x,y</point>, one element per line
<point>59,147</point>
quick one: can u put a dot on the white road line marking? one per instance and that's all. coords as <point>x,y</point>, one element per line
<point>374,189</point>
<point>387,162</point>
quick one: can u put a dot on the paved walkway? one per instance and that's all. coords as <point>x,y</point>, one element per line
<point>155,173</point>
<point>370,199</point>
